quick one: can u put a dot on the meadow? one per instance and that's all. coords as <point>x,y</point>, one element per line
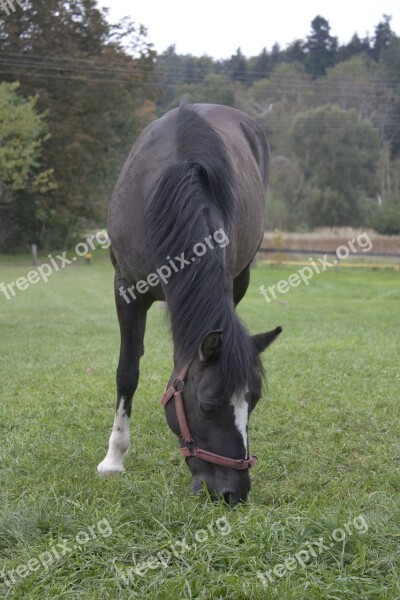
<point>323,517</point>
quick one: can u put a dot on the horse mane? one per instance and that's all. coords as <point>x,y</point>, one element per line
<point>192,199</point>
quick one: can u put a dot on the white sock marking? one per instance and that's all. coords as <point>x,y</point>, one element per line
<point>117,445</point>
<point>241,412</point>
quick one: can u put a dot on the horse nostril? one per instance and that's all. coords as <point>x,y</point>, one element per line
<point>231,498</point>
<point>228,497</point>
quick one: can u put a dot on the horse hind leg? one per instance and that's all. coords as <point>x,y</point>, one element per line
<point>132,323</point>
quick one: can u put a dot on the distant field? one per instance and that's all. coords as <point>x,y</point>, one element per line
<point>324,512</point>
<point>329,239</point>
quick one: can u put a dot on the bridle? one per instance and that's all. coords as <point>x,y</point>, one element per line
<point>190,448</point>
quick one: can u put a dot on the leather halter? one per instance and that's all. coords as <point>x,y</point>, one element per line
<point>190,448</point>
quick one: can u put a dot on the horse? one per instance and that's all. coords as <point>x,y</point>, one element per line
<point>185,221</point>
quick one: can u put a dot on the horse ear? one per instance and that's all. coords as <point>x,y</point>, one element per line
<point>263,340</point>
<point>210,345</point>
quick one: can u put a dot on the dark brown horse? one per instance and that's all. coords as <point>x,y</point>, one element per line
<point>185,221</point>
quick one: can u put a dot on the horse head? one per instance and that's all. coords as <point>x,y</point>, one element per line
<point>211,420</point>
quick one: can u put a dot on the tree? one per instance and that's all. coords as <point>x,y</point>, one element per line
<point>196,68</point>
<point>170,71</point>
<point>386,217</point>
<point>276,55</point>
<point>390,66</point>
<point>261,65</point>
<point>383,37</point>
<point>22,134</point>
<point>237,66</point>
<point>275,101</point>
<point>355,47</point>
<point>78,65</point>
<point>338,155</point>
<point>321,48</point>
<point>295,52</point>
<point>284,207</point>
<point>358,84</point>
<point>215,89</point>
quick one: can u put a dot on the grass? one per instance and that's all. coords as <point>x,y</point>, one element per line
<point>327,434</point>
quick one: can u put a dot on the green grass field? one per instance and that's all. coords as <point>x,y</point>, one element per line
<point>323,518</point>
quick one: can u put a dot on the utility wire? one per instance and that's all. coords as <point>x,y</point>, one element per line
<point>67,64</point>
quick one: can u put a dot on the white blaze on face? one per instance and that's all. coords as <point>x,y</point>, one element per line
<point>241,412</point>
<point>117,445</point>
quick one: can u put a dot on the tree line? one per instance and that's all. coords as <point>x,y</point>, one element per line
<point>71,94</point>
<point>75,91</point>
<point>331,114</point>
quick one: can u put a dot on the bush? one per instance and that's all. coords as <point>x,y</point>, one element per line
<point>386,219</point>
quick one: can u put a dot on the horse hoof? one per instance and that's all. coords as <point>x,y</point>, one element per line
<point>106,469</point>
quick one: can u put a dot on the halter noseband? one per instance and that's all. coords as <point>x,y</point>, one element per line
<point>190,448</point>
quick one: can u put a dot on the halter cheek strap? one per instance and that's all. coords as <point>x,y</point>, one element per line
<point>190,448</point>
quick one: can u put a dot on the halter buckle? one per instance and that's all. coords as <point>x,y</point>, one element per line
<point>191,447</point>
<point>179,384</point>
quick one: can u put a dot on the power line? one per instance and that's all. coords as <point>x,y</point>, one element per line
<point>88,67</point>
<point>69,67</point>
<point>274,92</point>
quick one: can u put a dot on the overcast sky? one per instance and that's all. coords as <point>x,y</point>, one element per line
<point>219,27</point>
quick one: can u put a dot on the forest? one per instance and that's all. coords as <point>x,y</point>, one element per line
<point>75,91</point>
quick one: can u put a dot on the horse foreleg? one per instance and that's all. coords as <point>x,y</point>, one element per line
<point>132,323</point>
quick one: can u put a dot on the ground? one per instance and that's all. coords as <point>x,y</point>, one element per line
<point>323,516</point>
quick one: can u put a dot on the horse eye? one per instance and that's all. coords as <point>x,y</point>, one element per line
<point>207,410</point>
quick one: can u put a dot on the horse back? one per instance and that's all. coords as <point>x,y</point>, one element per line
<point>155,151</point>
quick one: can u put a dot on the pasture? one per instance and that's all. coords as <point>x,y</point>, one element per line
<point>323,516</point>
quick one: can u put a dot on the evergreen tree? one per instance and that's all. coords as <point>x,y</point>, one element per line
<point>383,37</point>
<point>237,66</point>
<point>321,48</point>
<point>296,52</point>
<point>355,47</point>
<point>262,65</point>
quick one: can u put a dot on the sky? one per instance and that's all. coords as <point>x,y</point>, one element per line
<point>218,27</point>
